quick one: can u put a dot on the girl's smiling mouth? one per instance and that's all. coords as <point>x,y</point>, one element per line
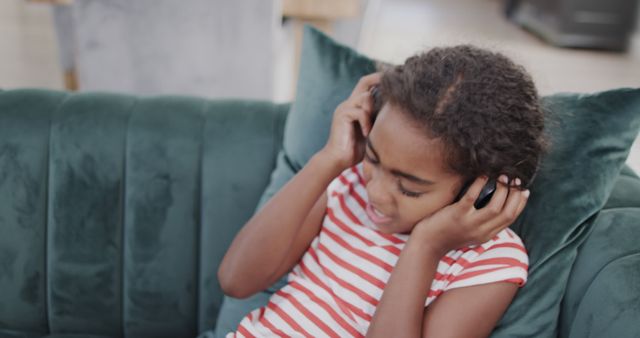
<point>376,216</point>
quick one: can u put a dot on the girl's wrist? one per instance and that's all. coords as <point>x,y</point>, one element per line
<point>328,162</point>
<point>331,161</point>
<point>429,243</point>
<point>425,248</point>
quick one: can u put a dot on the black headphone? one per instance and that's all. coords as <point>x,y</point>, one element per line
<point>489,188</point>
<point>485,194</point>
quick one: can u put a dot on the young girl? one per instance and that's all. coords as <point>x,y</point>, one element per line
<point>370,231</point>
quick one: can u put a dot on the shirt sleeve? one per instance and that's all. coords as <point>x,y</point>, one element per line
<point>340,183</point>
<point>506,260</point>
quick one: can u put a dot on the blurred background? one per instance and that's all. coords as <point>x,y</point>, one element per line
<point>249,48</point>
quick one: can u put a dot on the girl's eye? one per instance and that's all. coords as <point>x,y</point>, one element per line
<point>403,191</point>
<point>408,193</point>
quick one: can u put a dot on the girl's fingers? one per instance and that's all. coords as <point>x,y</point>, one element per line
<point>364,101</point>
<point>496,204</point>
<point>471,195</point>
<point>366,82</point>
<point>362,117</point>
<point>359,109</point>
<point>510,210</point>
<point>523,202</point>
<point>513,207</point>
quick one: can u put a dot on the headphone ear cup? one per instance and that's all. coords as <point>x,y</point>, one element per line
<point>485,194</point>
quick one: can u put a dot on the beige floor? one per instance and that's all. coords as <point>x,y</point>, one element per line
<point>393,30</point>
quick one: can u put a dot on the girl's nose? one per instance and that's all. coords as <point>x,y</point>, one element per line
<point>378,190</point>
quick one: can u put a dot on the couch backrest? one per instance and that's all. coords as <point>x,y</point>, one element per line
<point>601,297</point>
<point>116,210</point>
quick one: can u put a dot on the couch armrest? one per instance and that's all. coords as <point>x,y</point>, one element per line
<point>604,279</point>
<point>609,307</point>
<point>602,268</point>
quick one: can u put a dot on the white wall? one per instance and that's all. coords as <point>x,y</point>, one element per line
<point>212,48</point>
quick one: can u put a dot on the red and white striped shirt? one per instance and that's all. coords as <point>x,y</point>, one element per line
<point>334,290</point>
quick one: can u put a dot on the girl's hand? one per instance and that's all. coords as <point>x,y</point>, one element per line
<point>461,224</point>
<point>351,124</point>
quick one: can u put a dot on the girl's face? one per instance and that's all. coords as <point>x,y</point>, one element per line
<point>404,172</point>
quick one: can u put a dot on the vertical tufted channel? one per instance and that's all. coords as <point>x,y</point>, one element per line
<point>84,246</point>
<point>240,144</point>
<point>162,217</point>
<point>24,147</point>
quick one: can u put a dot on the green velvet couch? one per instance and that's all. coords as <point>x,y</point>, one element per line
<point>116,210</point>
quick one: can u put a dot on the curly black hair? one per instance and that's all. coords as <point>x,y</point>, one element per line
<point>481,105</point>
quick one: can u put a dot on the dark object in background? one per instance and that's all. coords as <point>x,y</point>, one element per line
<point>577,23</point>
<point>510,6</point>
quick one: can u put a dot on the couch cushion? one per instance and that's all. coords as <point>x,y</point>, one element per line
<point>610,305</point>
<point>24,146</point>
<point>328,73</point>
<point>602,294</point>
<point>574,181</point>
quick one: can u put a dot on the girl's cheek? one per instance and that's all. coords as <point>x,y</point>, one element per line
<point>366,172</point>
<point>415,213</point>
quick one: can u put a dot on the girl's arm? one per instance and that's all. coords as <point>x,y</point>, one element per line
<point>275,238</point>
<point>462,312</point>
<point>401,308</point>
<point>456,313</point>
<point>471,311</point>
